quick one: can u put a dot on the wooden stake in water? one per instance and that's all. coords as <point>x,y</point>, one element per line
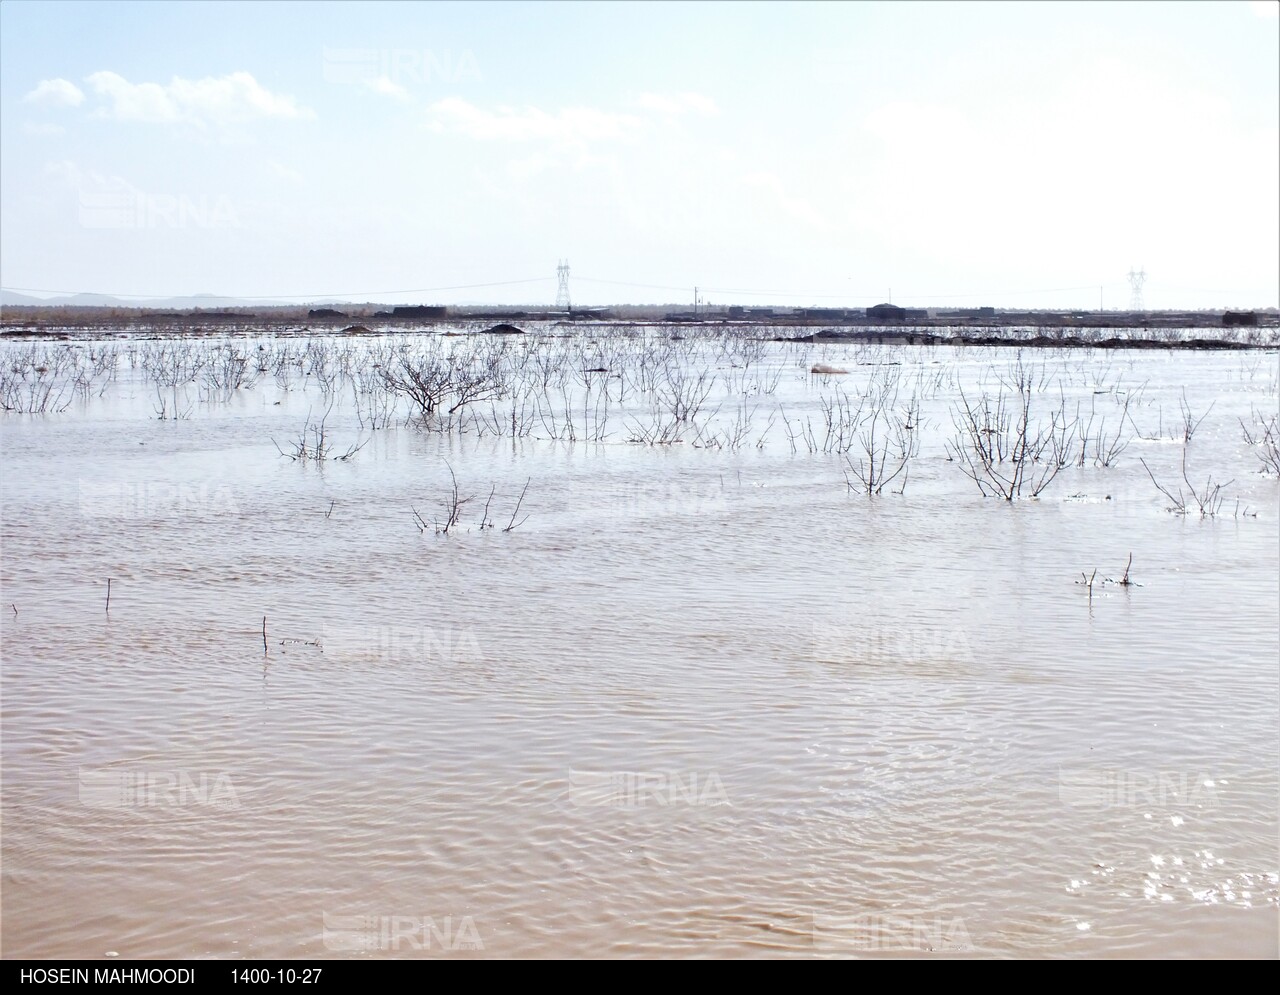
<point>264,635</point>
<point>108,595</point>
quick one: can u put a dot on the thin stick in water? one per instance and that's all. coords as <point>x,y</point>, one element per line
<point>264,635</point>
<point>512,526</point>
<point>108,595</point>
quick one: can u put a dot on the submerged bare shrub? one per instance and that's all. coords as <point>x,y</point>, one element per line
<point>1190,421</point>
<point>737,433</point>
<point>34,390</point>
<point>836,431</point>
<point>1107,446</point>
<point>437,384</point>
<point>887,437</point>
<point>1105,442</point>
<point>676,397</point>
<point>375,406</point>
<point>228,370</point>
<point>1001,446</point>
<point>1207,499</point>
<point>453,505</point>
<point>313,444</point>
<point>1264,436</point>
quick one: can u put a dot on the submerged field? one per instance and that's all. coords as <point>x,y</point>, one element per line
<point>637,643</point>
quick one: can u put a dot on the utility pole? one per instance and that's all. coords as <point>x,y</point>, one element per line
<point>562,291</point>
<point>1136,280</point>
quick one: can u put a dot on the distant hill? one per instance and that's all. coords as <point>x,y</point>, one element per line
<point>9,298</point>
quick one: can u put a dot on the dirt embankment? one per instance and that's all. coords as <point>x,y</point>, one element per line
<point>1031,342</point>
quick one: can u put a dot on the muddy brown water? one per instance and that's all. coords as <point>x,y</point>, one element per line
<point>703,702</point>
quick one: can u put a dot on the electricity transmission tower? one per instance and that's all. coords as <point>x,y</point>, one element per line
<point>1136,279</point>
<point>562,293</point>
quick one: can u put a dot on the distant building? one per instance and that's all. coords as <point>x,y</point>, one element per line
<point>887,312</point>
<point>325,312</point>
<point>823,313</point>
<point>969,312</point>
<point>1240,318</point>
<point>420,311</point>
<point>494,315</point>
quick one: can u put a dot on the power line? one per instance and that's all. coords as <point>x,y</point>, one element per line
<point>279,297</point>
<point>852,297</point>
<point>722,290</point>
<point>562,273</point>
<point>624,283</point>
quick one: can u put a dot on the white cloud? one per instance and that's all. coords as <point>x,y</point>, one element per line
<point>89,182</point>
<point>677,103</point>
<point>92,186</point>
<point>525,167</point>
<point>1020,182</point>
<point>55,93</point>
<point>508,124</point>
<point>387,87</point>
<point>220,100</point>
<point>283,172</point>
<point>795,207</point>
<point>44,130</point>
<point>65,170</point>
<point>112,202</point>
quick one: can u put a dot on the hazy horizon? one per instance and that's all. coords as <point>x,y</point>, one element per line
<point>216,301</point>
<point>1019,156</point>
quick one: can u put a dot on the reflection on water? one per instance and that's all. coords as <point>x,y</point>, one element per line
<point>706,700</point>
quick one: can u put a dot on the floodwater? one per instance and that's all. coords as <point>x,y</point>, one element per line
<point>705,701</point>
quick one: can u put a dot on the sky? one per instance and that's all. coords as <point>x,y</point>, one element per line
<point>1005,154</point>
